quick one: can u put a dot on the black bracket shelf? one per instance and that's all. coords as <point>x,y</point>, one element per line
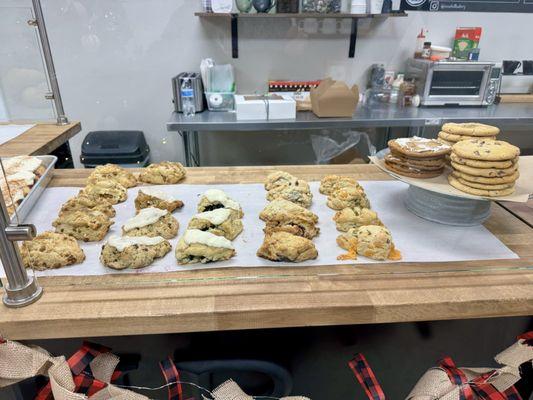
<point>234,18</point>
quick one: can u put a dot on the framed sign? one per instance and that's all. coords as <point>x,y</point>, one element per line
<point>518,6</point>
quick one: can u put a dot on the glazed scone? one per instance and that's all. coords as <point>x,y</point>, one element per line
<point>284,216</point>
<point>196,246</point>
<point>348,218</point>
<point>297,194</point>
<point>283,246</point>
<point>333,182</point>
<point>112,172</point>
<point>109,191</point>
<point>163,173</point>
<point>370,241</point>
<point>151,222</point>
<point>221,222</point>
<point>13,165</point>
<point>87,203</point>
<point>278,178</point>
<point>88,226</point>
<point>215,198</point>
<point>133,252</point>
<point>348,197</point>
<point>50,250</point>
<point>151,197</point>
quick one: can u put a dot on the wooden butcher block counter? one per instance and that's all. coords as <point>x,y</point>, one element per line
<point>252,298</point>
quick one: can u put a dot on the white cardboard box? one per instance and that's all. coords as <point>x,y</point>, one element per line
<point>279,106</point>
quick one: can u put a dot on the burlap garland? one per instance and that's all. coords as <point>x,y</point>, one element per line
<point>229,390</point>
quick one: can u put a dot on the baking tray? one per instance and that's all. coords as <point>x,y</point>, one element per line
<point>30,200</point>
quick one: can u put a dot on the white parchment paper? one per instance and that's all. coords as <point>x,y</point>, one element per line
<point>11,131</point>
<point>417,239</point>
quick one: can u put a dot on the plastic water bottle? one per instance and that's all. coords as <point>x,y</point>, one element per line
<point>187,98</point>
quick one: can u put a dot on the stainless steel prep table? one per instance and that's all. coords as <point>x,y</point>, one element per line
<point>379,117</point>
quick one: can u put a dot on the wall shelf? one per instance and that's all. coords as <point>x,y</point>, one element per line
<point>234,18</point>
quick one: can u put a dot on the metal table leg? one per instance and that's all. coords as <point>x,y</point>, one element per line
<point>195,149</point>
<point>186,147</point>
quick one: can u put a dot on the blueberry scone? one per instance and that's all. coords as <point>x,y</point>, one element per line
<point>112,172</point>
<point>88,226</point>
<point>83,202</point>
<point>221,222</point>
<point>50,250</point>
<point>215,198</point>
<point>151,197</point>
<point>283,246</point>
<point>197,246</point>
<point>163,173</point>
<point>151,222</point>
<point>109,191</point>
<point>348,218</point>
<point>297,194</point>
<point>331,183</point>
<point>133,252</point>
<point>278,178</point>
<point>283,216</point>
<point>370,241</point>
<point>348,197</point>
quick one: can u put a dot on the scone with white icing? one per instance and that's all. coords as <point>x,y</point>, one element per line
<point>152,197</point>
<point>115,173</point>
<point>221,222</point>
<point>215,198</point>
<point>283,246</point>
<point>50,250</point>
<point>83,202</point>
<point>133,252</point>
<point>13,165</point>
<point>151,222</point>
<point>348,218</point>
<point>284,216</point>
<point>88,226</point>
<point>197,246</point>
<point>348,197</point>
<point>163,173</point>
<point>109,191</point>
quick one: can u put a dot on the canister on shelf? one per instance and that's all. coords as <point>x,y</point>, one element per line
<point>288,6</point>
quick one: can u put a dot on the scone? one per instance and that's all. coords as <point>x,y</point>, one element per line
<point>87,203</point>
<point>348,218</point>
<point>88,226</point>
<point>133,252</point>
<point>109,191</point>
<point>283,246</point>
<point>348,197</point>
<point>196,246</point>
<point>151,222</point>
<point>221,222</point>
<point>278,178</point>
<point>112,172</point>
<point>13,165</point>
<point>50,250</point>
<point>151,197</point>
<point>297,194</point>
<point>370,241</point>
<point>163,173</point>
<point>284,216</point>
<point>333,182</point>
<point>215,198</point>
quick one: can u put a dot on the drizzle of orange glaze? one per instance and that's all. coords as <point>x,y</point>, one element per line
<point>395,254</point>
<point>352,252</point>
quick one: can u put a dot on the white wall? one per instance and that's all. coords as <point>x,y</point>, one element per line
<point>115,58</point>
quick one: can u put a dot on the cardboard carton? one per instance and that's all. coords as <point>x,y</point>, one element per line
<point>334,99</point>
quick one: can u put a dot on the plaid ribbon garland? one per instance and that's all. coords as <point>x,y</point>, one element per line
<point>458,378</point>
<point>366,377</point>
<point>172,376</point>
<point>527,337</point>
<point>87,384</point>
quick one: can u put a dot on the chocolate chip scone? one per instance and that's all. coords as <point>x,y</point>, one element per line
<point>196,246</point>
<point>298,194</point>
<point>83,202</point>
<point>215,198</point>
<point>348,197</point>
<point>282,246</point>
<point>109,191</point>
<point>163,173</point>
<point>133,252</point>
<point>278,178</point>
<point>348,218</point>
<point>331,183</point>
<point>284,216</point>
<point>151,197</point>
<point>221,222</point>
<point>88,226</point>
<point>115,173</point>
<point>151,222</point>
<point>50,250</point>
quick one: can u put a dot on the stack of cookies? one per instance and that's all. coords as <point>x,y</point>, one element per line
<point>452,133</point>
<point>484,167</point>
<point>417,157</point>
<point>289,225</point>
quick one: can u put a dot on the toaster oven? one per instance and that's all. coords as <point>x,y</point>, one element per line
<point>455,83</point>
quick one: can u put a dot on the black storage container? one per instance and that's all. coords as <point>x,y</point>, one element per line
<point>125,148</point>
